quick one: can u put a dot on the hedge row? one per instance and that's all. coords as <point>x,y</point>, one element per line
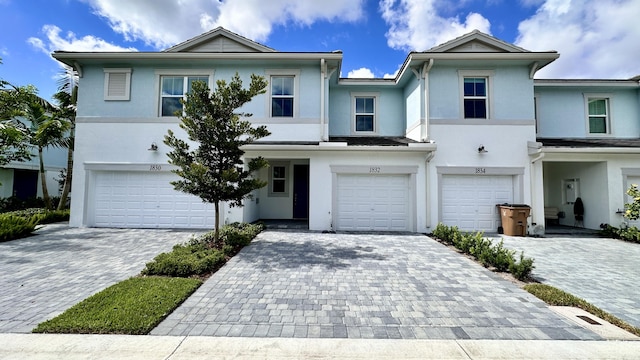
<point>485,251</point>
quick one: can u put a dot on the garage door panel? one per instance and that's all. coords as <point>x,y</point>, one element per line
<point>373,202</point>
<point>469,202</point>
<point>146,200</point>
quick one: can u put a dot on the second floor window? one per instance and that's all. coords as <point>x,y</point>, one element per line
<point>598,115</point>
<point>365,113</point>
<point>174,88</point>
<point>282,96</point>
<point>475,98</point>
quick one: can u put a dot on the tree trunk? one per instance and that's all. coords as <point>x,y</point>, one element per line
<point>43,179</point>
<point>217,229</point>
<point>67,180</point>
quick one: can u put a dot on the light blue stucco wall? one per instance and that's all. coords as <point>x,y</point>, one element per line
<point>511,93</point>
<point>390,110</point>
<point>562,111</point>
<point>412,95</point>
<point>143,102</point>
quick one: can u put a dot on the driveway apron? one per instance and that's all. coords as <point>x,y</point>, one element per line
<point>313,285</point>
<point>605,272</point>
<point>47,273</point>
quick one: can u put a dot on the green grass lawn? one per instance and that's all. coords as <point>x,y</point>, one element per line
<point>557,297</point>
<point>134,306</point>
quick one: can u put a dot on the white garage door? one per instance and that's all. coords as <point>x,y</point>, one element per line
<point>373,202</point>
<point>469,202</point>
<point>146,200</point>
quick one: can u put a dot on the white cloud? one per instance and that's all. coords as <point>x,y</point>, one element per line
<point>362,73</point>
<point>163,23</point>
<point>69,42</point>
<point>418,25</point>
<point>393,76</point>
<point>595,38</point>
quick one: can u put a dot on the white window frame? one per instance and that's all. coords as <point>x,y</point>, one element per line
<point>178,72</point>
<point>376,102</point>
<point>124,93</point>
<point>296,92</point>
<point>609,100</point>
<point>272,166</point>
<point>488,75</point>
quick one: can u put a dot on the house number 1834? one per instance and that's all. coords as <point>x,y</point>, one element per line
<point>374,170</point>
<point>481,170</point>
<point>155,167</point>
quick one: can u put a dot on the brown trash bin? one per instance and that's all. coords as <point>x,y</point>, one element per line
<point>514,219</point>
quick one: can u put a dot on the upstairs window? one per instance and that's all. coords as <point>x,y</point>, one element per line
<point>282,96</point>
<point>475,98</point>
<point>174,88</point>
<point>598,115</point>
<point>365,113</point>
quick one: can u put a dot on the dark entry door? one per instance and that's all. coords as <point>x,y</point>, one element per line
<point>25,183</point>
<point>300,191</point>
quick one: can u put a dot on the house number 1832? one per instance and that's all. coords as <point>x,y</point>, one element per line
<point>374,170</point>
<point>155,167</point>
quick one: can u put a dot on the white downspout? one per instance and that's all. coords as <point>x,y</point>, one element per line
<point>533,177</point>
<point>323,75</point>
<point>427,222</point>
<point>424,131</point>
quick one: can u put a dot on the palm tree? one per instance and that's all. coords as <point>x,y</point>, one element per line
<point>45,130</point>
<point>67,97</point>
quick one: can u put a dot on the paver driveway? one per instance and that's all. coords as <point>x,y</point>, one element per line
<point>605,272</point>
<point>302,284</point>
<point>45,274</point>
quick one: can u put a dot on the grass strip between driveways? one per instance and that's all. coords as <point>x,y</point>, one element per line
<point>557,297</point>
<point>134,306</point>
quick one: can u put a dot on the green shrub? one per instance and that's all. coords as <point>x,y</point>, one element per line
<point>202,255</point>
<point>239,234</point>
<point>15,227</point>
<point>484,251</point>
<point>521,270</point>
<point>631,233</point>
<point>14,203</point>
<point>477,244</point>
<point>185,261</point>
<point>498,257</point>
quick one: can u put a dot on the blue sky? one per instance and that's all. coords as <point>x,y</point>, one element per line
<point>596,39</point>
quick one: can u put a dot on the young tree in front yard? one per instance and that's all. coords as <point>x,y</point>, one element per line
<point>632,210</point>
<point>214,170</point>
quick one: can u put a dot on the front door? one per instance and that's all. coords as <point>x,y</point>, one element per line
<point>300,191</point>
<point>25,183</point>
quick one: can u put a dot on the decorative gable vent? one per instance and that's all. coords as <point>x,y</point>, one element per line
<point>117,84</point>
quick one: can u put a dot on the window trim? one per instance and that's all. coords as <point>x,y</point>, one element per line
<point>608,121</point>
<point>127,85</point>
<point>296,92</point>
<point>272,166</point>
<point>159,73</point>
<point>487,74</point>
<point>376,101</point>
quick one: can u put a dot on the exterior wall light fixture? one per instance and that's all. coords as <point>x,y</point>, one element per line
<point>482,150</point>
<point>154,147</point>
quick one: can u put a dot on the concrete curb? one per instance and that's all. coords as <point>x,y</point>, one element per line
<point>49,346</point>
